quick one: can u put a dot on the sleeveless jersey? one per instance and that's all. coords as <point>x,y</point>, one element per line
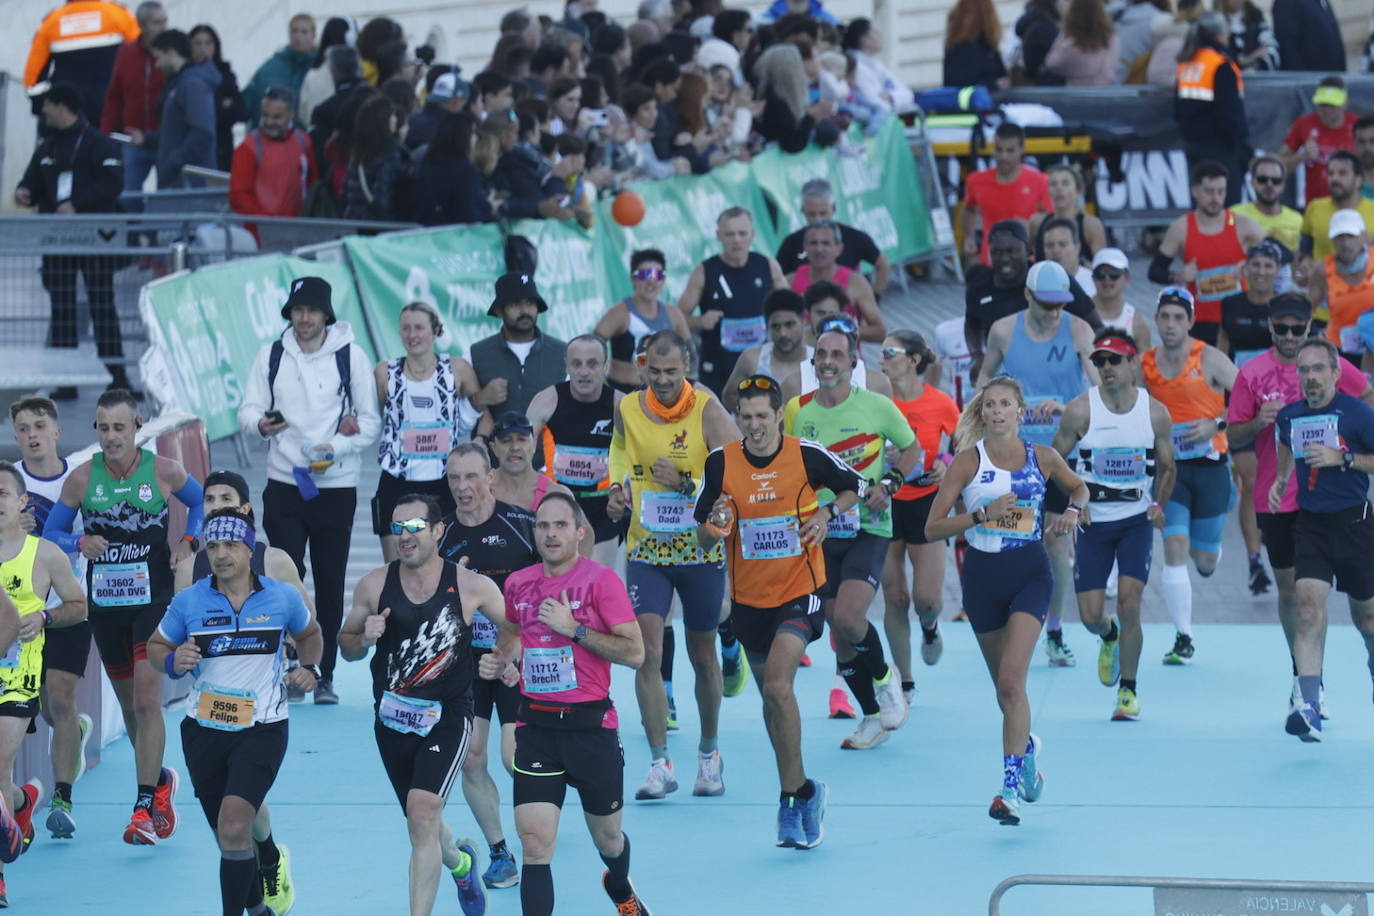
<point>21,668</point>
<point>1116,458</point>
<point>1218,259</point>
<point>1121,322</point>
<point>577,443</point>
<point>136,569</point>
<point>1247,327</point>
<point>495,549</point>
<point>1048,369</point>
<point>1189,398</point>
<point>738,292</point>
<point>624,345</point>
<point>44,492</point>
<point>662,529</point>
<point>1345,303</point>
<point>769,566</point>
<point>419,422</point>
<point>1023,525</point>
<point>801,280</point>
<point>423,654</point>
<point>859,378</point>
<point>200,567</point>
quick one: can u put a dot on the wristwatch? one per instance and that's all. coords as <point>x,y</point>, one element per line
<point>1221,424</point>
<point>1348,458</point>
<point>580,633</point>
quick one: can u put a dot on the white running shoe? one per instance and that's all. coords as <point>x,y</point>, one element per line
<point>932,644</point>
<point>710,775</point>
<point>893,709</point>
<point>869,734</point>
<point>660,781</point>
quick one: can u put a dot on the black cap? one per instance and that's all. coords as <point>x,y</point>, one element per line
<point>66,95</point>
<point>1291,305</point>
<point>516,288</point>
<point>229,479</point>
<point>1013,227</point>
<point>313,292</point>
<point>512,421</point>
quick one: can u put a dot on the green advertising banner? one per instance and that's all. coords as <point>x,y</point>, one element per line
<point>877,189</point>
<point>206,328</point>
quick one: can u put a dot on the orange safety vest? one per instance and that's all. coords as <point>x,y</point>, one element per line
<point>1196,79</point>
<point>1346,303</point>
<point>768,565</point>
<point>78,26</point>
<point>1187,395</point>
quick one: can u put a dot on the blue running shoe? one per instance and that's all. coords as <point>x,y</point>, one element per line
<point>813,814</point>
<point>472,898</point>
<point>1305,722</point>
<point>790,831</point>
<point>1032,780</point>
<point>502,870</point>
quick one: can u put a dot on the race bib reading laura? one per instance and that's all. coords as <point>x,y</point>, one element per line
<point>769,538</point>
<point>120,584</point>
<point>666,511</point>
<point>580,466</point>
<point>420,441</point>
<point>549,669</point>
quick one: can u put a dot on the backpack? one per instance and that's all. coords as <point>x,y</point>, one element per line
<point>341,363</point>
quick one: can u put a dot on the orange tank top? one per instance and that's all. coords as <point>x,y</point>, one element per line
<point>1188,397</point>
<point>768,564</point>
<point>1347,303</point>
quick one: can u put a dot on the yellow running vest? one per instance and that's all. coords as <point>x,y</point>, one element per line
<point>21,669</point>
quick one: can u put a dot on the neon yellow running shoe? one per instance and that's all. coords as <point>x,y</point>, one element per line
<point>1127,706</point>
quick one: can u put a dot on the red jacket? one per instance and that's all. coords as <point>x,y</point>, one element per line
<point>271,177</point>
<point>133,97</point>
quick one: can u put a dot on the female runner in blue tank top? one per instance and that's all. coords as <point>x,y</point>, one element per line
<point>1006,576</point>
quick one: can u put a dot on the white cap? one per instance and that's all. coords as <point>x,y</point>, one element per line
<point>1346,222</point>
<point>1112,257</point>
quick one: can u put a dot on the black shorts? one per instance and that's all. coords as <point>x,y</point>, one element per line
<point>756,627</point>
<point>909,519</point>
<point>488,694</point>
<point>121,635</point>
<point>861,557</point>
<point>1276,531</point>
<point>997,585</point>
<point>390,489</point>
<point>593,503</point>
<point>68,648</point>
<point>1337,545</point>
<point>223,763</point>
<point>548,760</point>
<point>20,709</point>
<point>430,762</point>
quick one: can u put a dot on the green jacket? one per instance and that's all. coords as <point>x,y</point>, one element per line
<point>286,68</point>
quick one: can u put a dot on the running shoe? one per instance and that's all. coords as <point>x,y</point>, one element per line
<point>806,660</point>
<point>932,644</point>
<point>472,897</point>
<point>1321,701</point>
<point>164,804</point>
<point>4,892</point>
<point>1305,722</point>
<point>735,671</point>
<point>33,791</point>
<point>839,705</point>
<point>660,781</point>
<point>813,814</point>
<point>672,715</point>
<point>710,775</point>
<point>278,889</point>
<point>869,734</point>
<point>632,907</point>
<point>1032,780</point>
<point>791,834</point>
<point>893,708</point>
<point>1259,579</point>
<point>1005,808</point>
<point>324,693</point>
<point>1109,660</point>
<point>61,824</point>
<point>11,836</point>
<point>1182,652</point>
<point>1127,706</point>
<point>83,731</point>
<point>501,870</point>
<point>1059,654</point>
<point>1295,699</point>
<point>141,831</point>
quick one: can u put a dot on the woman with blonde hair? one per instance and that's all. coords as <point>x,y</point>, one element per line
<point>1067,190</point>
<point>788,116</point>
<point>972,35</point>
<point>1087,52</point>
<point>1006,576</point>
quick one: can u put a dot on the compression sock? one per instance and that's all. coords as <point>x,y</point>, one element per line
<point>1178,596</point>
<point>669,651</point>
<point>617,882</point>
<point>1011,771</point>
<point>536,890</point>
<point>268,854</point>
<point>870,656</point>
<point>63,790</point>
<point>728,643</point>
<point>145,797</point>
<point>1128,683</point>
<point>861,685</point>
<point>238,872</point>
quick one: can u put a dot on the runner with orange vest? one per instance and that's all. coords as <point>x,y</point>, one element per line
<point>1209,102</point>
<point>1190,378</point>
<point>1345,282</point>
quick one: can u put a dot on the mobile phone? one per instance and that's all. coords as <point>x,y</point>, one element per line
<point>274,416</point>
<point>120,137</point>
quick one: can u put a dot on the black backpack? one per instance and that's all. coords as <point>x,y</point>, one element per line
<point>341,362</point>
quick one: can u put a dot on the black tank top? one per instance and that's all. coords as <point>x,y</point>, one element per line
<point>739,293</point>
<point>257,564</point>
<point>584,427</point>
<point>425,651</point>
<point>1246,324</point>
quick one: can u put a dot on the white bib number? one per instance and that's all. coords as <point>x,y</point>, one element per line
<point>666,511</point>
<point>739,334</point>
<point>483,632</point>
<point>1037,429</point>
<point>549,669</point>
<point>580,466</point>
<point>1119,466</point>
<point>1185,450</point>
<point>1319,429</point>
<point>1350,339</point>
<point>770,538</point>
<point>120,584</point>
<point>420,441</point>
<point>228,709</point>
<point>408,715</point>
<point>844,525</point>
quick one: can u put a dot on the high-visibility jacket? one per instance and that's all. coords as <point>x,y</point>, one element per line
<point>77,43</point>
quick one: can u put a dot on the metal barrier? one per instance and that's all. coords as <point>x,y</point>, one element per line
<point>944,245</point>
<point>1351,895</point>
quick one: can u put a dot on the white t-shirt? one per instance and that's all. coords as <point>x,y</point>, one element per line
<point>952,349</point>
<point>521,350</point>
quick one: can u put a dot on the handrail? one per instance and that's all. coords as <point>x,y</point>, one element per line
<point>1231,884</point>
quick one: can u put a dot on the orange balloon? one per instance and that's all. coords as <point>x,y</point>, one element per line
<point>628,208</point>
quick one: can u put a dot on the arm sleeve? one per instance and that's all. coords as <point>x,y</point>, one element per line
<point>1160,268</point>
<point>192,496</point>
<point>58,527</point>
<point>1084,307</point>
<point>712,479</point>
<point>824,469</point>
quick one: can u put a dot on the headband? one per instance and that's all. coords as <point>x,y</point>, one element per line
<point>229,528</point>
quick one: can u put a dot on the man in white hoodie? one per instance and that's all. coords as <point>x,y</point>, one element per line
<point>311,396</point>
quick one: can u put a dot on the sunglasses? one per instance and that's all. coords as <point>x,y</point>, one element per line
<point>1288,330</point>
<point>1103,273</point>
<point>1106,359</point>
<point>1268,179</point>
<point>894,352</point>
<point>649,273</point>
<point>761,382</point>
<point>840,323</point>
<point>413,525</point>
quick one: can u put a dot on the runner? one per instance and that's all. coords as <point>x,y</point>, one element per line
<point>493,539</point>
<point>856,425</point>
<point>1264,385</point>
<point>31,570</point>
<point>512,444</point>
<point>1190,378</point>
<point>785,357</point>
<point>1244,334</point>
<point>228,490</point>
<point>574,620</point>
<point>1281,223</point>
<point>932,416</point>
<point>823,301</point>
<point>574,420</point>
<point>1067,192</point>
<point>1344,282</point>
<point>1111,274</point>
<point>426,402</point>
<point>1009,191</point>
<point>1329,437</point>
<point>824,243</point>
<point>776,564</point>
<point>729,288</point>
<point>229,631</point>
<point>122,493</point>
<point>418,611</point>
<point>1119,438</point>
<point>662,437</point>
<point>1006,578</point>
<point>1047,351</point>
<point>65,649</point>
<point>1211,241</point>
<point>636,317</point>
<point>818,203</point>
